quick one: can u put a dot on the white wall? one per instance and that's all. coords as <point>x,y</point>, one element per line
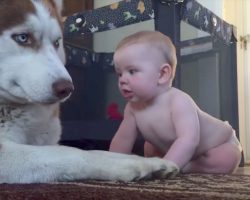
<point>213,5</point>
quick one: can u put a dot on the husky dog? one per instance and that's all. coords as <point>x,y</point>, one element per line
<point>33,81</point>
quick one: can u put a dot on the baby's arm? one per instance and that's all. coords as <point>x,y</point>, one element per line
<point>187,128</point>
<point>125,137</point>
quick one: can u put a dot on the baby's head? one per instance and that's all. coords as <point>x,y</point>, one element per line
<point>155,41</point>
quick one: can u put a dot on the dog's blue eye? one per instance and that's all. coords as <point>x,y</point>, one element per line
<point>22,38</point>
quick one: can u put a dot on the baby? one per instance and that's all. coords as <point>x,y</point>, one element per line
<point>172,125</point>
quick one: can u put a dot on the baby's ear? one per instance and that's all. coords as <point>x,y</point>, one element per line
<point>165,73</point>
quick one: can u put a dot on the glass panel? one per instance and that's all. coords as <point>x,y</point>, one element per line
<point>189,32</point>
<point>107,41</point>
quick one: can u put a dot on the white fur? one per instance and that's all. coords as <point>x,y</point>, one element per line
<point>29,125</point>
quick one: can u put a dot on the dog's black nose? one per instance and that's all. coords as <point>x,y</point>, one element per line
<point>62,88</point>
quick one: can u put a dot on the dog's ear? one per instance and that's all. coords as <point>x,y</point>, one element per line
<point>59,6</point>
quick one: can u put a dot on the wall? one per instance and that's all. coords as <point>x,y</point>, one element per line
<point>235,12</point>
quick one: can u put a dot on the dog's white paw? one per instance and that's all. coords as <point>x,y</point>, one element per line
<point>149,168</point>
<point>161,168</point>
<point>170,171</point>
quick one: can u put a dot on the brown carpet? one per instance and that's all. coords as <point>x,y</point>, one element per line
<point>191,186</point>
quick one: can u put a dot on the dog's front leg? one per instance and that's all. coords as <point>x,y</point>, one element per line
<point>124,167</point>
<point>28,164</point>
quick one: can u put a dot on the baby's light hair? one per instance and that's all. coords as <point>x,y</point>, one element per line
<point>156,40</point>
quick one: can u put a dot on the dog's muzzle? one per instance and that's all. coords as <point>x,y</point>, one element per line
<point>62,88</point>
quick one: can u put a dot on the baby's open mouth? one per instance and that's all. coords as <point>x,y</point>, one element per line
<point>127,93</point>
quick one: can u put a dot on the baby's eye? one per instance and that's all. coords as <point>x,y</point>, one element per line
<point>118,74</point>
<point>132,71</point>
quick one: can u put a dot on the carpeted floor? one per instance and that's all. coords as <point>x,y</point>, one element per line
<point>191,186</point>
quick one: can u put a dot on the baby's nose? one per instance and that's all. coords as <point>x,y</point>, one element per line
<point>122,79</point>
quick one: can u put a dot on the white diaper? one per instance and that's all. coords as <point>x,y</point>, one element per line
<point>234,140</point>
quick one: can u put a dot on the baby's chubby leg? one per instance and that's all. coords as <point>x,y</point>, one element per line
<point>221,159</point>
